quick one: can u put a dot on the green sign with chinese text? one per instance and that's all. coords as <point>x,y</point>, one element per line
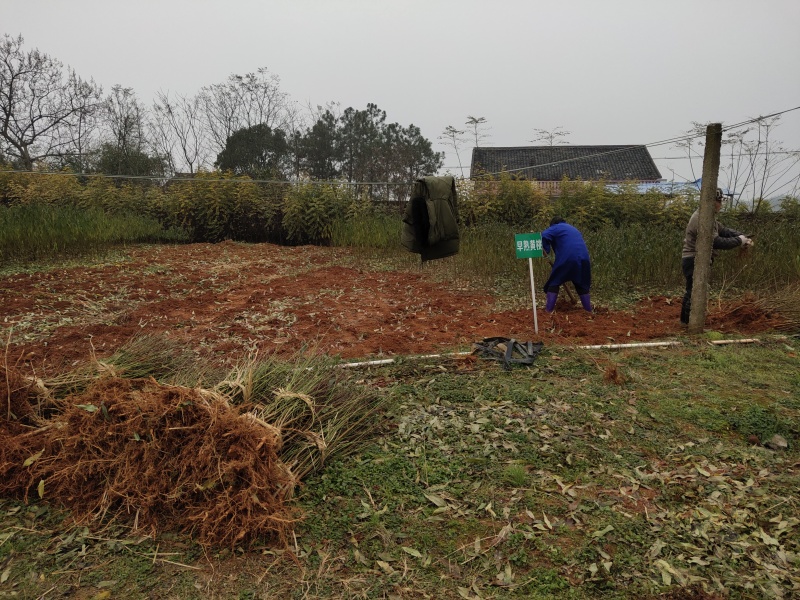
<point>528,245</point>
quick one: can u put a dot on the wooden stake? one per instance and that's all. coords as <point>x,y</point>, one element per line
<point>702,259</point>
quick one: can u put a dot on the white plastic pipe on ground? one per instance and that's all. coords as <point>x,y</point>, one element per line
<point>388,361</point>
<point>631,345</point>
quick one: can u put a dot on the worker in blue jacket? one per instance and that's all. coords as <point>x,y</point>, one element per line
<point>571,262</point>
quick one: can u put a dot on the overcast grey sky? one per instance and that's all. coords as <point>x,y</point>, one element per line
<point>610,71</point>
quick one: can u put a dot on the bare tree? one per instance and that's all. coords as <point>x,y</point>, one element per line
<point>296,122</point>
<point>221,106</point>
<point>478,127</point>
<point>757,166</point>
<point>241,102</point>
<point>178,132</point>
<point>125,118</point>
<point>550,137</point>
<point>262,99</point>
<point>454,137</point>
<point>44,110</point>
<point>83,140</point>
<point>693,139</point>
<point>754,165</point>
<point>316,112</point>
<point>125,147</point>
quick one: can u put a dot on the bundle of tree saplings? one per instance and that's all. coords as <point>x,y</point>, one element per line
<point>220,463</point>
<point>316,407</point>
<point>785,301</point>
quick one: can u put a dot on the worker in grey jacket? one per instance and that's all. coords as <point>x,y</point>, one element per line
<point>724,239</point>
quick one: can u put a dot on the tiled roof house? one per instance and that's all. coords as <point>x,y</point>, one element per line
<point>548,165</point>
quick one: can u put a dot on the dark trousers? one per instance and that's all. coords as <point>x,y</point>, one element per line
<point>687,266</point>
<point>554,288</point>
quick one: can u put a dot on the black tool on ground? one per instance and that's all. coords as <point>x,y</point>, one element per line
<point>508,350</point>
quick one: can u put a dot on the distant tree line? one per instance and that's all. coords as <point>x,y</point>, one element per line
<point>53,119</point>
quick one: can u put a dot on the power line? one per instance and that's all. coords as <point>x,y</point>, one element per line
<point>756,119</point>
<point>794,152</point>
<point>740,153</point>
<point>650,145</point>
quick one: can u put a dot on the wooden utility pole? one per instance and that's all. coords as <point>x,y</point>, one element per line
<point>702,259</point>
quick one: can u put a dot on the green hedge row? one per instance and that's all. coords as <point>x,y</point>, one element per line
<point>209,207</point>
<point>215,206</point>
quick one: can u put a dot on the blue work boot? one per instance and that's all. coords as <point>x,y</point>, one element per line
<point>586,302</point>
<point>550,305</point>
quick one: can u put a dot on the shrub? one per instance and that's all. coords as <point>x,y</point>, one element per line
<point>310,210</point>
<point>790,207</point>
<point>217,206</point>
<point>505,201</point>
<point>62,189</point>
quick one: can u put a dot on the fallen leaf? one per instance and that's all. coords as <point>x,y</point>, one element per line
<point>107,584</point>
<point>655,549</point>
<point>437,500</point>
<point>768,540</point>
<point>667,571</point>
<point>602,532</point>
<point>32,459</point>
<point>777,442</point>
<point>386,567</point>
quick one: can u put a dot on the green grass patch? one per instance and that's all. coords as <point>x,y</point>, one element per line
<point>41,232</point>
<point>545,481</point>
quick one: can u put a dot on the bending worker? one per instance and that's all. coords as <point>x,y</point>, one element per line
<point>572,262</point>
<point>724,239</point>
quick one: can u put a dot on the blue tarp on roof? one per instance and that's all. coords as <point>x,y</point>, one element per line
<point>667,187</point>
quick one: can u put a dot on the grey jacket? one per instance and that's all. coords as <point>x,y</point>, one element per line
<point>724,238</point>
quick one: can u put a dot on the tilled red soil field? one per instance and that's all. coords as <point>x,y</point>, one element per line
<point>227,301</point>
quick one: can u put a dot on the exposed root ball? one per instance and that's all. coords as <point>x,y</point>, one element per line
<point>14,392</point>
<point>159,457</point>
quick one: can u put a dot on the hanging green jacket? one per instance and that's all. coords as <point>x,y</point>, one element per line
<point>430,223</point>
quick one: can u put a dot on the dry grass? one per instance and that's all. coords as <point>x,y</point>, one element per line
<point>785,302</point>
